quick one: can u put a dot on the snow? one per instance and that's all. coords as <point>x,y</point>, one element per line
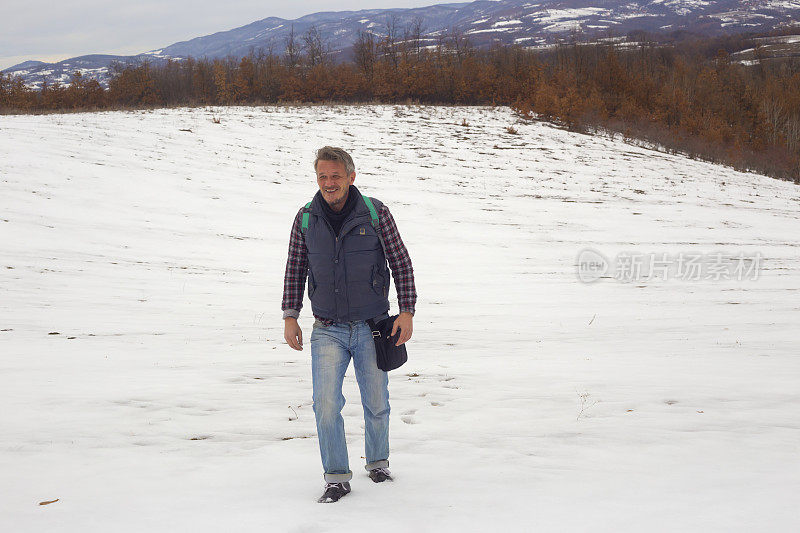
<point>681,6</point>
<point>729,18</point>
<point>168,400</point>
<point>640,15</point>
<point>552,15</point>
<point>786,39</point>
<point>489,30</point>
<point>781,5</point>
<point>564,25</point>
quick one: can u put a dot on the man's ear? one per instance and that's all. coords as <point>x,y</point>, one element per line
<point>352,177</point>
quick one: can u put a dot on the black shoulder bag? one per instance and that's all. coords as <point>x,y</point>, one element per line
<point>389,355</point>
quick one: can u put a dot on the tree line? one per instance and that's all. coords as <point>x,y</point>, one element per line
<point>690,97</point>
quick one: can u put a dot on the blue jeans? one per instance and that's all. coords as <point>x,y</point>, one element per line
<point>331,349</point>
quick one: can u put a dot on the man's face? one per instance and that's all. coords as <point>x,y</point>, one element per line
<point>334,182</point>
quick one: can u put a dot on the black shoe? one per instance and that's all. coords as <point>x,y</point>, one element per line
<point>334,491</point>
<point>380,474</point>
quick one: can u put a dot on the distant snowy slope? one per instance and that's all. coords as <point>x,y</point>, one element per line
<point>146,385</point>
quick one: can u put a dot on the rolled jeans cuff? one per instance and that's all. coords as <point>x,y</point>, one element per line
<point>338,478</point>
<point>383,463</point>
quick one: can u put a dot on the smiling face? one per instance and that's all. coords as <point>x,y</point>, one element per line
<point>334,183</point>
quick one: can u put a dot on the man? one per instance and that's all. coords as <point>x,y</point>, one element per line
<point>343,250</point>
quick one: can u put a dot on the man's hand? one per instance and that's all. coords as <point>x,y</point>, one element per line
<point>404,323</point>
<point>292,333</point>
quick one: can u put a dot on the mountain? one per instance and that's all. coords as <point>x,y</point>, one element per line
<point>484,22</point>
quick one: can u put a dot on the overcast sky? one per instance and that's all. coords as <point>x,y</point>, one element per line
<point>52,31</point>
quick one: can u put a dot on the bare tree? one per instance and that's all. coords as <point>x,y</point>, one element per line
<point>316,50</point>
<point>459,43</point>
<point>791,130</point>
<point>365,53</point>
<point>774,115</point>
<point>389,42</point>
<point>291,55</point>
<point>414,34</point>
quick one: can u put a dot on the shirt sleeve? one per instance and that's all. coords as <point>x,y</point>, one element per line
<point>294,281</point>
<point>399,261</point>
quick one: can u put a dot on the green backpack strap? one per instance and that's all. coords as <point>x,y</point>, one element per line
<point>372,213</point>
<point>304,225</point>
<point>375,223</point>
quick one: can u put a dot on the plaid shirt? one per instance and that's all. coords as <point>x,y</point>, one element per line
<point>297,267</point>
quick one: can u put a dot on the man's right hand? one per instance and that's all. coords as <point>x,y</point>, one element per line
<point>292,333</point>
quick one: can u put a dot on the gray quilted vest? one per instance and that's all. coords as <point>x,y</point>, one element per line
<point>348,278</point>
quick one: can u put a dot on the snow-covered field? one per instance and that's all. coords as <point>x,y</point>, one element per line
<point>145,383</point>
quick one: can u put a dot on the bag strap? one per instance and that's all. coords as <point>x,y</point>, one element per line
<point>304,225</point>
<point>373,213</point>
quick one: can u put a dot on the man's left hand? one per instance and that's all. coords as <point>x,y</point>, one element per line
<point>404,322</point>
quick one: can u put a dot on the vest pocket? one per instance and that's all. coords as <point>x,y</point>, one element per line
<point>311,285</point>
<point>377,281</point>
